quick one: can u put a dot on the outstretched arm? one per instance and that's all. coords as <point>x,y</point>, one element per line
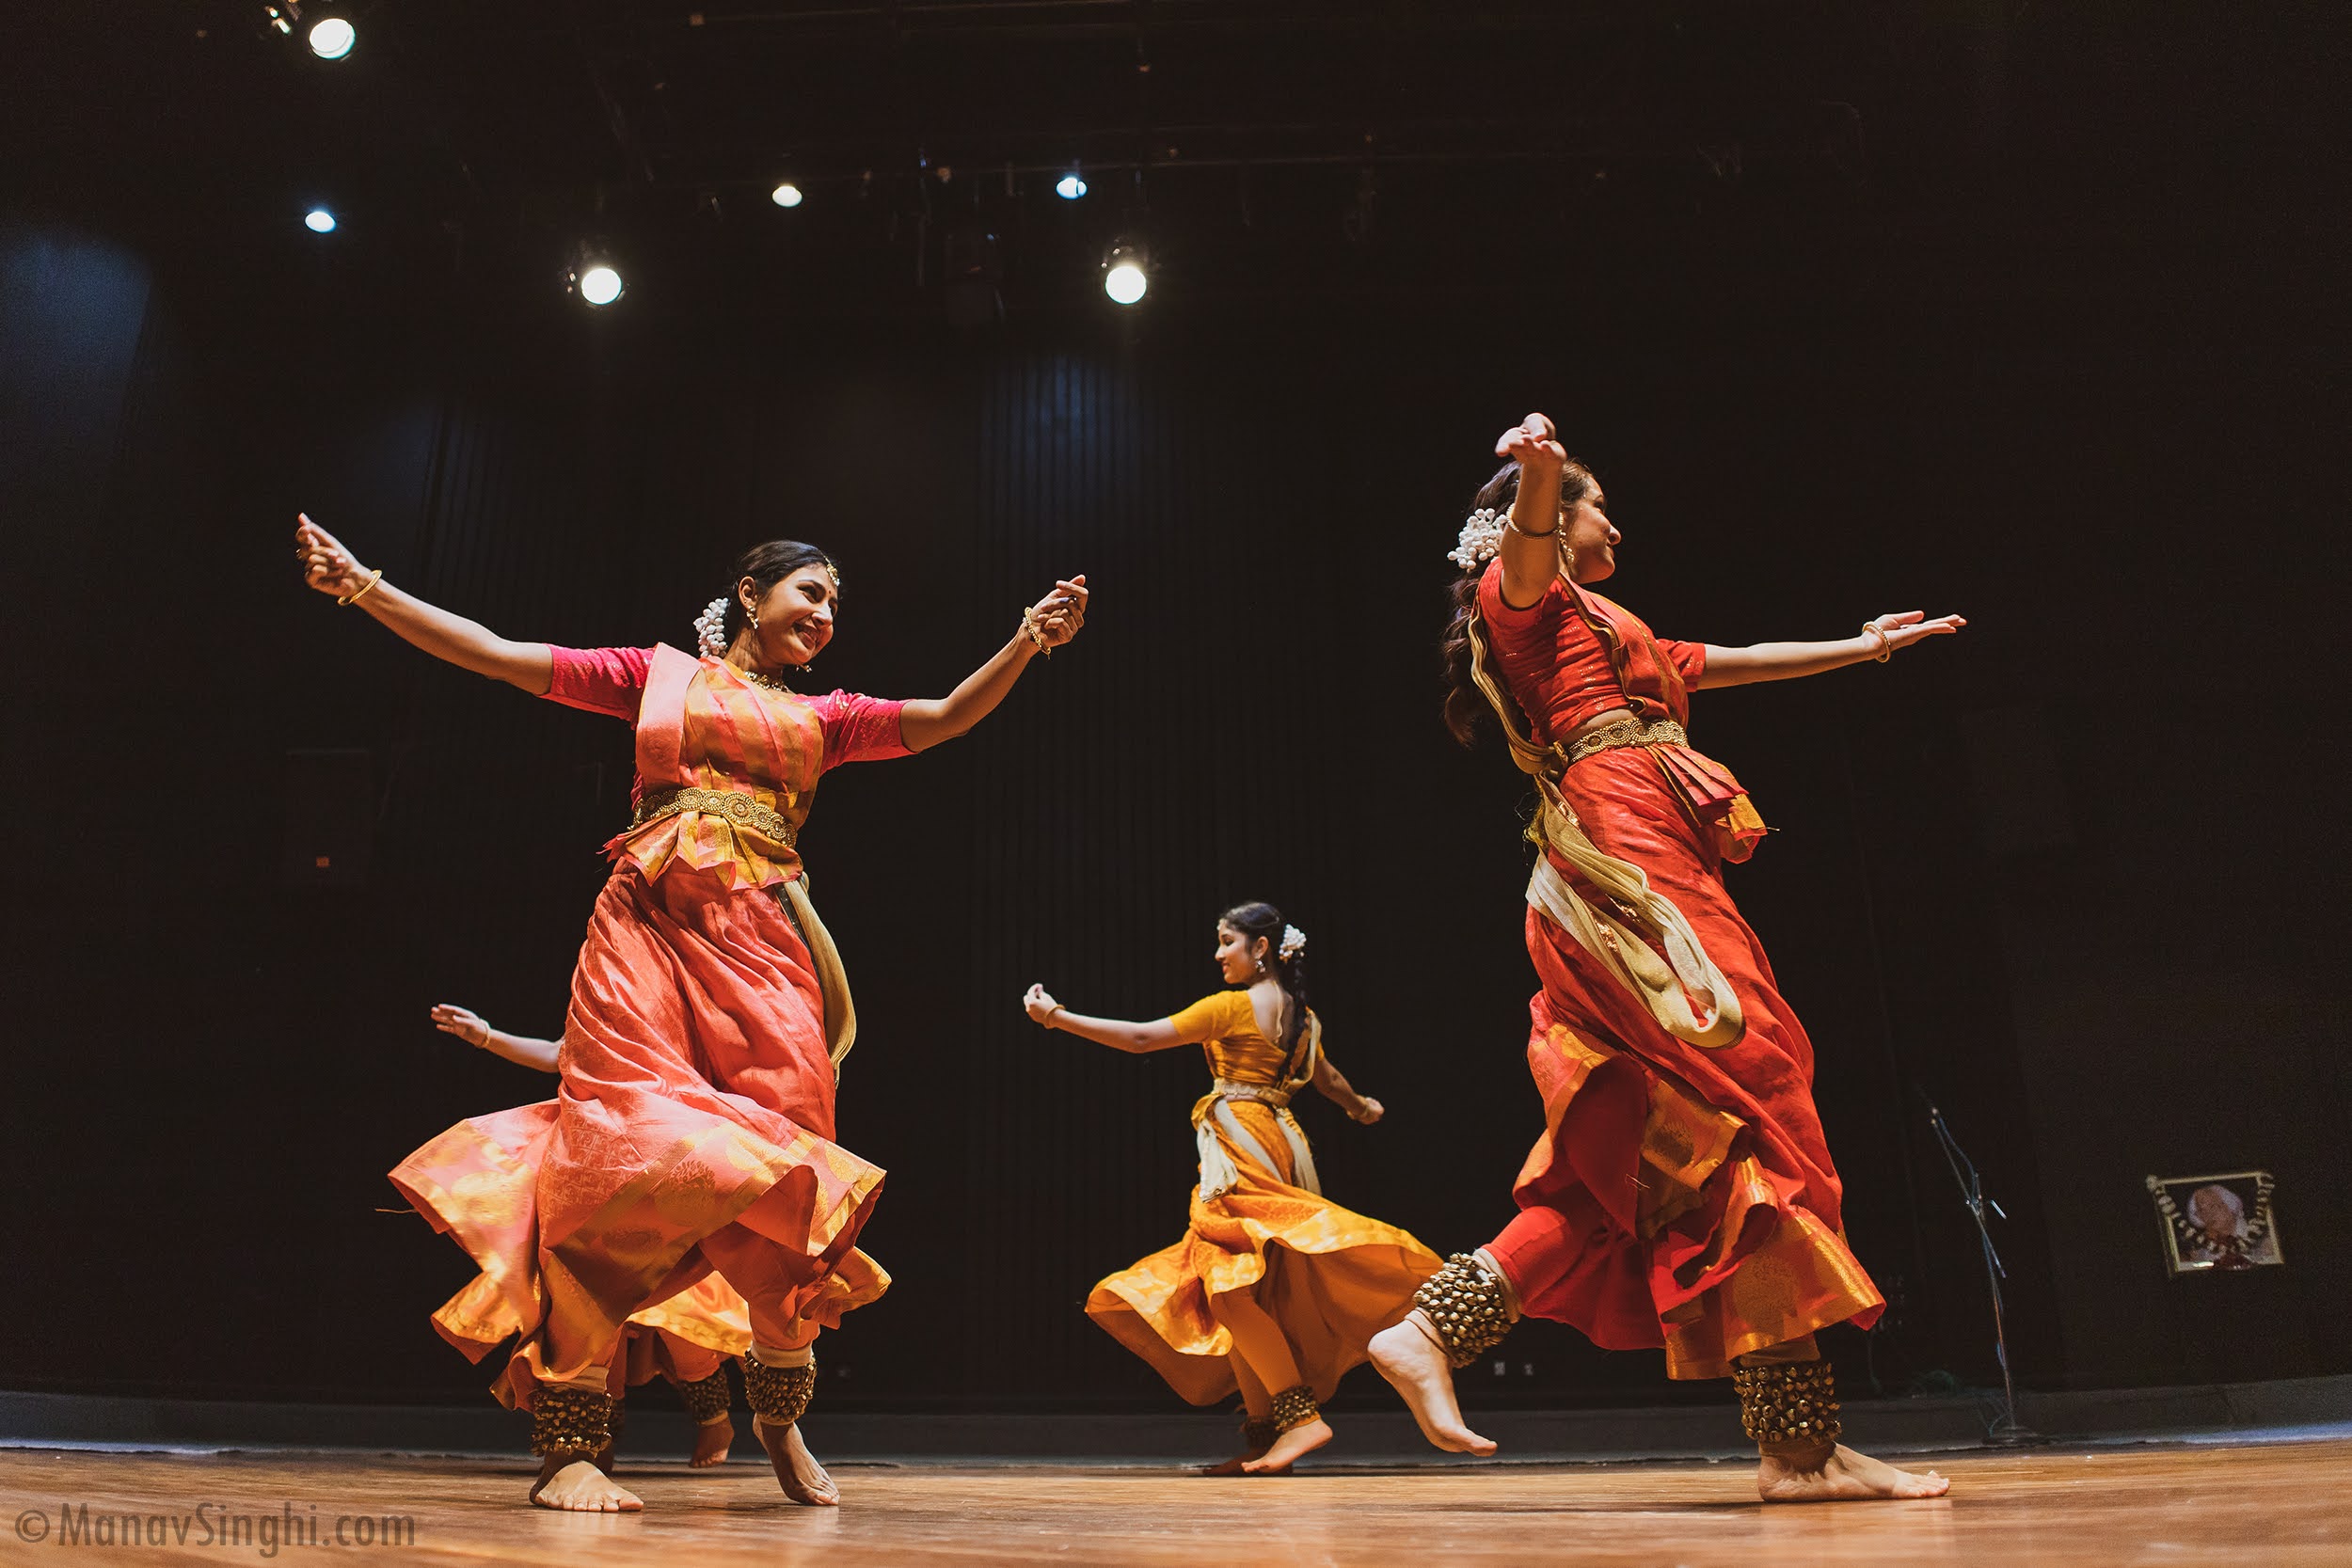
<point>1782,661</point>
<point>928,720</point>
<point>1118,1034</point>
<point>1333,1085</point>
<point>472,1028</point>
<point>468,645</point>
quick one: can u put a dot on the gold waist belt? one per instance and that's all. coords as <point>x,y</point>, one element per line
<point>733,804</point>
<point>1628,732</point>
<point>1265,1094</point>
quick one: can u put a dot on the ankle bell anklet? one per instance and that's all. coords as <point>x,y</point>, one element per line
<point>707,1399</point>
<point>1294,1407</point>
<point>779,1394</point>
<point>1795,1402</point>
<point>1464,1304</point>
<point>570,1423</point>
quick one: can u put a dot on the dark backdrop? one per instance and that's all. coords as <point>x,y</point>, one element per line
<point>2075,874</point>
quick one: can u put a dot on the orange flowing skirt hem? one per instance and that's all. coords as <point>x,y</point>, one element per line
<point>1330,1279</point>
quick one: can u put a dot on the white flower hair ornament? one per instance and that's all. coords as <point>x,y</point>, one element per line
<point>710,628</point>
<point>1481,541</point>
<point>1293,942</point>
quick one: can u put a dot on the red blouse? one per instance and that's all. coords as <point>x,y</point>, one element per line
<point>1573,655</point>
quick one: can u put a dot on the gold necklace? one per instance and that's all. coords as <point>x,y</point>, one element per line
<point>760,677</point>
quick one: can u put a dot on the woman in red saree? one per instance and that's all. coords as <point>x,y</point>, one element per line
<point>708,1014</point>
<point>1682,1195</point>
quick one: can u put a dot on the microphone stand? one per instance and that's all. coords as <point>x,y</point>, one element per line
<point>2008,1429</point>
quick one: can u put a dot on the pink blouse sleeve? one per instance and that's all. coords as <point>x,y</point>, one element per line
<point>1689,659</point>
<point>601,680</point>
<point>858,729</point>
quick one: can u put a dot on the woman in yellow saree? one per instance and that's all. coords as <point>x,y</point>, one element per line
<point>1273,1289</point>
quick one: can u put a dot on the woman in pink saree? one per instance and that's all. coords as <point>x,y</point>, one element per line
<point>694,1130</point>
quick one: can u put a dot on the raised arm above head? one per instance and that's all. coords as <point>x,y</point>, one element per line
<point>1530,541</point>
<point>1119,1034</point>
<point>331,569</point>
<point>1782,661</point>
<point>1045,625</point>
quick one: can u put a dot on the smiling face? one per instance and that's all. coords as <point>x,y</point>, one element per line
<point>1591,535</point>
<point>1240,958</point>
<point>795,616</point>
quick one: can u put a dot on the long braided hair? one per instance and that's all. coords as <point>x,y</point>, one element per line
<point>1257,919</point>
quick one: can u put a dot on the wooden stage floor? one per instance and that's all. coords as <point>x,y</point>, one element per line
<point>2276,1504</point>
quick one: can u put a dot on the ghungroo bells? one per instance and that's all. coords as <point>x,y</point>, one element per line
<point>1795,1402</point>
<point>779,1394</point>
<point>570,1423</point>
<point>1465,1304</point>
<point>1294,1407</point>
<point>707,1399</point>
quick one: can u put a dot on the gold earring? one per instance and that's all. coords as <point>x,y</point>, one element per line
<point>753,617</point>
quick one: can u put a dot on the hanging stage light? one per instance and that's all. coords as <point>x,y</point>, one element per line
<point>596,280</point>
<point>331,38</point>
<point>787,194</point>
<point>1126,271</point>
<point>1072,185</point>
<point>318,220</point>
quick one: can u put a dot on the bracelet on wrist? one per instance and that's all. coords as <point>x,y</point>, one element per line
<point>1886,648</point>
<point>1029,627</point>
<point>363,591</point>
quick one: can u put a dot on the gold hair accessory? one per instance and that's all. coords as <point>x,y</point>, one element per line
<point>373,578</point>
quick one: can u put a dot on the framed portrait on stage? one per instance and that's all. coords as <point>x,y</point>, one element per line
<point>2216,1222</point>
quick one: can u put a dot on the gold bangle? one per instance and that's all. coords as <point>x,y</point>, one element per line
<point>1886,648</point>
<point>1049,1016</point>
<point>362,592</point>
<point>1029,624</point>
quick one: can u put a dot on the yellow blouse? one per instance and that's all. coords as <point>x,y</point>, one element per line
<point>1225,1026</point>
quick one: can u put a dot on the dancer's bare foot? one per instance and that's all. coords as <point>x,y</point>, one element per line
<point>1233,1466</point>
<point>1288,1448</point>
<point>712,1444</point>
<point>1842,1476</point>
<point>1409,1358</point>
<point>804,1479</point>
<point>576,1486</point>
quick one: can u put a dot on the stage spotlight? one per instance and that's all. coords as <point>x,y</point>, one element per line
<point>597,282</point>
<point>1070,187</point>
<point>318,220</point>
<point>331,38</point>
<point>786,195</point>
<point>1125,272</point>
